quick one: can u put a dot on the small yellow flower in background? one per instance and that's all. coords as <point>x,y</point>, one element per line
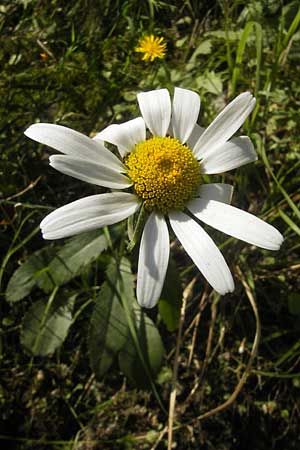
<point>43,56</point>
<point>152,47</point>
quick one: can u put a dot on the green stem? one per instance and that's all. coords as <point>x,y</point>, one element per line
<point>137,230</point>
<point>131,325</point>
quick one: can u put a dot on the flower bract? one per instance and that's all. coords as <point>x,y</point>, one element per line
<point>162,170</point>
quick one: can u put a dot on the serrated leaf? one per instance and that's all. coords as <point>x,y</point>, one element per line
<point>171,298</point>
<point>152,349</point>
<point>45,328</point>
<point>210,82</point>
<point>108,328</point>
<point>76,254</point>
<point>31,272</point>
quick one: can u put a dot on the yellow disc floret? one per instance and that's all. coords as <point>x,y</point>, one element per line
<point>165,174</point>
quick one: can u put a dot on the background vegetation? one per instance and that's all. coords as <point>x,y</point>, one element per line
<point>74,63</point>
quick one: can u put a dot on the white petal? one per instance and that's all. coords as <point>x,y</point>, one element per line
<point>73,143</point>
<point>186,107</point>
<point>153,260</point>
<point>237,223</point>
<point>234,153</point>
<point>89,171</point>
<point>195,136</point>
<point>155,107</point>
<point>125,136</point>
<point>225,124</point>
<point>216,191</point>
<point>89,213</point>
<point>203,251</point>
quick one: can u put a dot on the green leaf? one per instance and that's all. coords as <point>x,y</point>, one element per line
<point>210,82</point>
<point>226,35</point>
<point>110,336</point>
<point>204,48</point>
<point>294,303</point>
<point>171,298</point>
<point>76,254</point>
<point>31,272</point>
<point>151,346</point>
<point>108,331</point>
<point>46,325</point>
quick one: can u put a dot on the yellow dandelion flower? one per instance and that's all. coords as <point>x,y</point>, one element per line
<point>152,47</point>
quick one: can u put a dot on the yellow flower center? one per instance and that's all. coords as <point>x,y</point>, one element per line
<point>165,174</point>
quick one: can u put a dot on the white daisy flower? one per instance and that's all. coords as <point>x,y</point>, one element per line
<point>162,172</point>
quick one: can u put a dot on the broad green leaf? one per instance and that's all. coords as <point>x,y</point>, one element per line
<point>46,325</point>
<point>76,254</point>
<point>210,82</point>
<point>204,48</point>
<point>151,346</point>
<point>108,331</point>
<point>125,284</point>
<point>226,35</point>
<point>171,298</point>
<point>31,272</point>
<point>179,43</point>
<point>294,303</point>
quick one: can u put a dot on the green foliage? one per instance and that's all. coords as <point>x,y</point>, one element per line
<point>151,346</point>
<point>110,335</point>
<point>48,267</point>
<point>108,331</point>
<point>29,274</point>
<point>88,78</point>
<point>72,258</point>
<point>45,325</point>
<point>170,302</point>
<point>294,303</point>
<point>209,82</point>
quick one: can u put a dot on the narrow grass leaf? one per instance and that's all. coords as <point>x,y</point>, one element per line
<point>289,222</point>
<point>290,202</point>
<point>240,53</point>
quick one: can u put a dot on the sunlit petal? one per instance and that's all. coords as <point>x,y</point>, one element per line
<point>153,260</point>
<point>125,136</point>
<point>216,191</point>
<point>89,171</point>
<point>225,124</point>
<point>234,153</point>
<point>237,223</point>
<point>88,214</point>
<point>203,251</point>
<point>186,107</point>
<point>155,107</point>
<point>71,142</point>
